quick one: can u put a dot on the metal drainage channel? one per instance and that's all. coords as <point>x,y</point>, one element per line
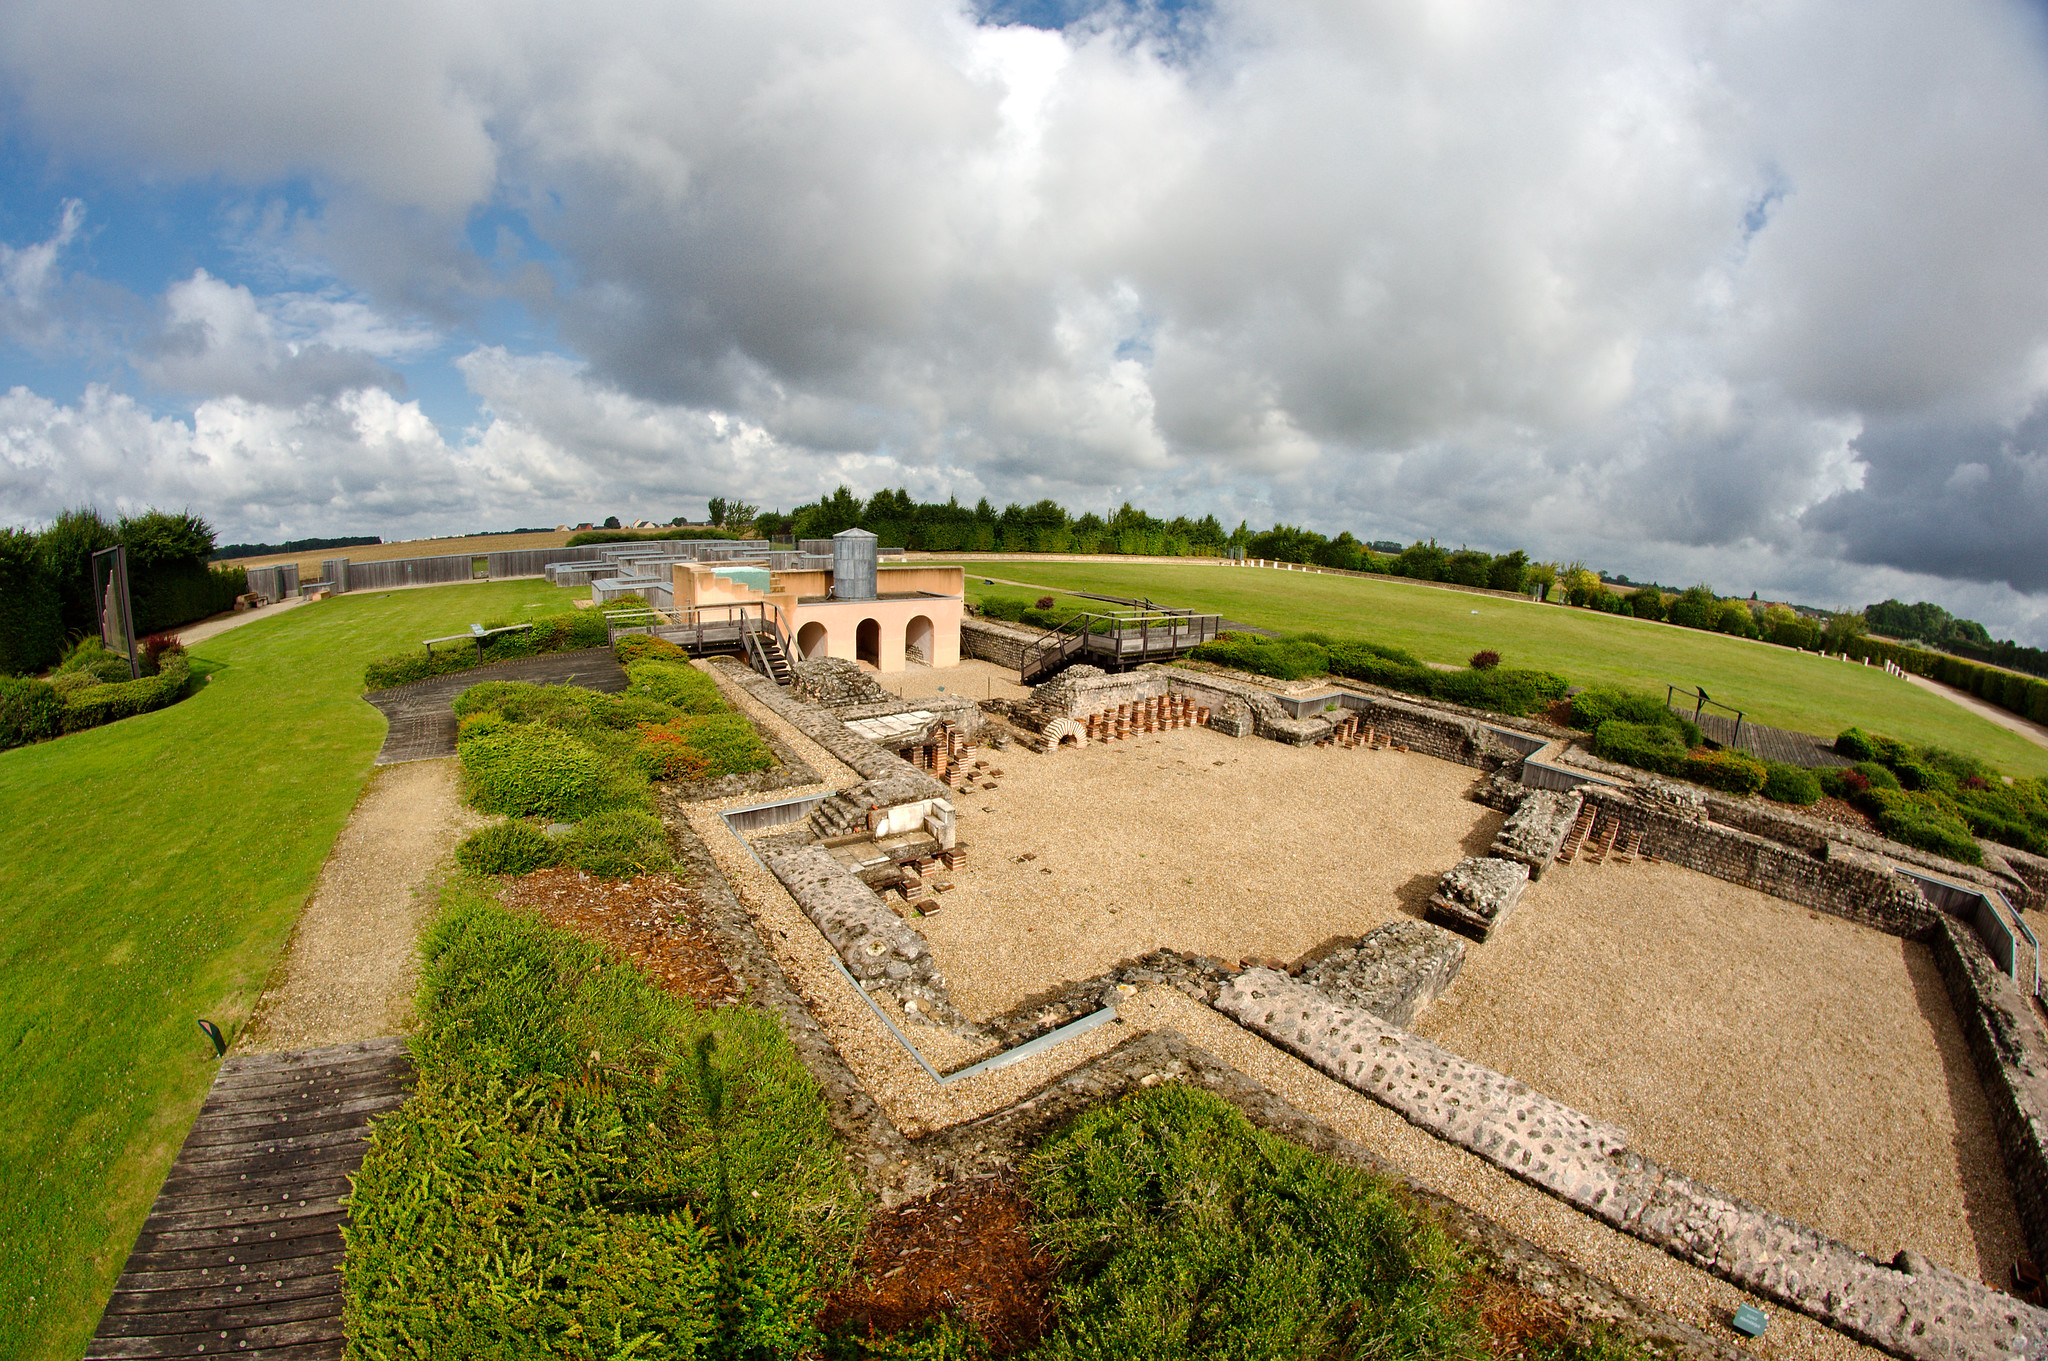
<point>756,816</point>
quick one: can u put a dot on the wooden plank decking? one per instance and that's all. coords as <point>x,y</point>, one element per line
<point>423,724</point>
<point>241,1253</point>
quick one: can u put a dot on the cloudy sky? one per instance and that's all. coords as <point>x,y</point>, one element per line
<point>1749,293</point>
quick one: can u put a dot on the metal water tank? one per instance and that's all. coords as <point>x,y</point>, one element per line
<point>853,565</point>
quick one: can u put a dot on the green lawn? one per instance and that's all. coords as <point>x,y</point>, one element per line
<point>150,873</point>
<point>1771,684</point>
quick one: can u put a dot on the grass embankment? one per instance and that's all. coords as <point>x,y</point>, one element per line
<point>150,872</point>
<point>593,1167</point>
<point>1771,684</point>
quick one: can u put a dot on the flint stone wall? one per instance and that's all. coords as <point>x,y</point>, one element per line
<point>2011,1056</point>
<point>1393,972</point>
<point>1931,1315</point>
<point>835,682</point>
<point>876,945</point>
<point>991,640</point>
<point>1536,828</point>
<point>1478,893</point>
<point>866,759</point>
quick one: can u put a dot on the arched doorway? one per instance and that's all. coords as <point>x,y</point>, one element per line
<point>917,640</point>
<point>867,643</point>
<point>811,641</point>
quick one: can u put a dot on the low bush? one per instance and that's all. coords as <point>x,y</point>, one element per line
<point>1730,771</point>
<point>512,847</point>
<point>702,747</point>
<point>118,699</point>
<point>1786,783</point>
<point>640,647</point>
<point>1926,821</point>
<point>618,845</point>
<point>155,648</point>
<point>30,711</point>
<point>90,656</point>
<point>1501,690</point>
<point>1182,1230</point>
<point>681,687</point>
<point>1597,703</point>
<point>568,632</point>
<point>526,770</point>
<point>1485,660</point>
<point>557,706</point>
<point>71,682</point>
<point>1044,602</point>
<point>1284,658</point>
<point>1656,747</point>
<point>589,1167</point>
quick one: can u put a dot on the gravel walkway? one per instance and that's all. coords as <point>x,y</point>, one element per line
<point>351,966</point>
<point>1800,1061</point>
<point>1225,846</point>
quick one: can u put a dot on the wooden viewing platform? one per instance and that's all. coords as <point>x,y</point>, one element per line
<point>1119,641</point>
<point>241,1253</point>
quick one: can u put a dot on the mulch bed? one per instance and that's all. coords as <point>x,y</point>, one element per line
<point>654,920</point>
<point>966,1250</point>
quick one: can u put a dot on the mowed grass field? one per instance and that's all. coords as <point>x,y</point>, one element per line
<point>150,874</point>
<point>1770,684</point>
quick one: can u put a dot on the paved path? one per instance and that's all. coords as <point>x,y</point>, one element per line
<point>241,1253</point>
<point>423,724</point>
<point>1772,744</point>
<point>2004,718</point>
<point>221,623</point>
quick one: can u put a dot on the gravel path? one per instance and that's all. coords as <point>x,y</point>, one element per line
<point>1795,1059</point>
<point>351,966</point>
<point>221,623</point>
<point>1225,846</point>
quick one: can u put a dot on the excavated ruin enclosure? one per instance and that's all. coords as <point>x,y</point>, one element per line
<point>1700,997</point>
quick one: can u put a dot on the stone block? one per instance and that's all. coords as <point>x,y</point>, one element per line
<point>1477,894</point>
<point>1393,972</point>
<point>1536,829</point>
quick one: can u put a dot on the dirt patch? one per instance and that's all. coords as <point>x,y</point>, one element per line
<point>352,963</point>
<point>966,1250</point>
<point>653,920</point>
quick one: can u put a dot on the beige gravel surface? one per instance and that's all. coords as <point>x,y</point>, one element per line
<point>349,971</point>
<point>1218,845</point>
<point>973,678</point>
<point>1798,1060</point>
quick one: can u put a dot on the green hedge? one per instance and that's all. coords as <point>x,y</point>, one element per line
<point>1925,821</point>
<point>619,845</point>
<point>589,1167</point>
<point>1786,783</point>
<point>1500,689</point>
<point>1655,747</point>
<point>567,632</point>
<point>175,594</point>
<point>510,847</point>
<point>31,630</point>
<point>526,769</point>
<point>30,711</point>
<point>1730,771</point>
<point>2026,696</point>
<point>1934,799</point>
<point>680,686</point>
<point>108,703</point>
<point>1284,658</point>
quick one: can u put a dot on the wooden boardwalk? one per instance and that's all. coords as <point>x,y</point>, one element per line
<point>1771,744</point>
<point>423,724</point>
<point>241,1253</point>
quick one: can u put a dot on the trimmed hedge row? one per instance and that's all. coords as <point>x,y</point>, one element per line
<point>1499,689</point>
<point>2026,696</point>
<point>35,710</point>
<point>1634,728</point>
<point>567,632</point>
<point>1940,800</point>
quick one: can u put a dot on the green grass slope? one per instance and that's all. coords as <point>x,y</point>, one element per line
<point>150,873</point>
<point>1773,685</point>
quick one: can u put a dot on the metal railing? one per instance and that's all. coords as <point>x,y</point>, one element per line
<point>1702,702</point>
<point>1123,638</point>
<point>703,628</point>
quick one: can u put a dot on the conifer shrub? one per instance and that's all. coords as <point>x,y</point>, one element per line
<point>510,847</point>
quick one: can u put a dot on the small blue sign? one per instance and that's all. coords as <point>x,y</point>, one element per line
<point>1750,1321</point>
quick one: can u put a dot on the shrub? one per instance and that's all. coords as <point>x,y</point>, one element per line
<point>525,770</point>
<point>1502,690</point>
<point>1182,1230</point>
<point>70,682</point>
<point>702,747</point>
<point>1732,772</point>
<point>155,648</point>
<point>1647,603</point>
<point>676,685</point>
<point>618,845</point>
<point>566,707</point>
<point>1044,602</point>
<point>1283,658</point>
<point>512,847</point>
<point>1786,783</point>
<point>1597,703</point>
<point>1844,784</point>
<point>568,632</point>
<point>1485,660</point>
<point>124,698</point>
<point>1923,821</point>
<point>90,656</point>
<point>640,647</point>
<point>30,711</point>
<point>1658,747</point>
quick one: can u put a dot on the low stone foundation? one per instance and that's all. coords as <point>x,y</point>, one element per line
<point>1477,894</point>
<point>1394,972</point>
<point>991,640</point>
<point>1926,1313</point>
<point>1536,828</point>
<point>879,948</point>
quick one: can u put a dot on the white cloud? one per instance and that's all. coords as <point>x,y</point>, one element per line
<point>29,278</point>
<point>1664,279</point>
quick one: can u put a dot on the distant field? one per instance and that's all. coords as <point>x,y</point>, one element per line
<point>309,563</point>
<point>1771,684</point>
<point>150,873</point>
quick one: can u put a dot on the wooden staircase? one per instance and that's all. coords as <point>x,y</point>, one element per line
<point>765,651</point>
